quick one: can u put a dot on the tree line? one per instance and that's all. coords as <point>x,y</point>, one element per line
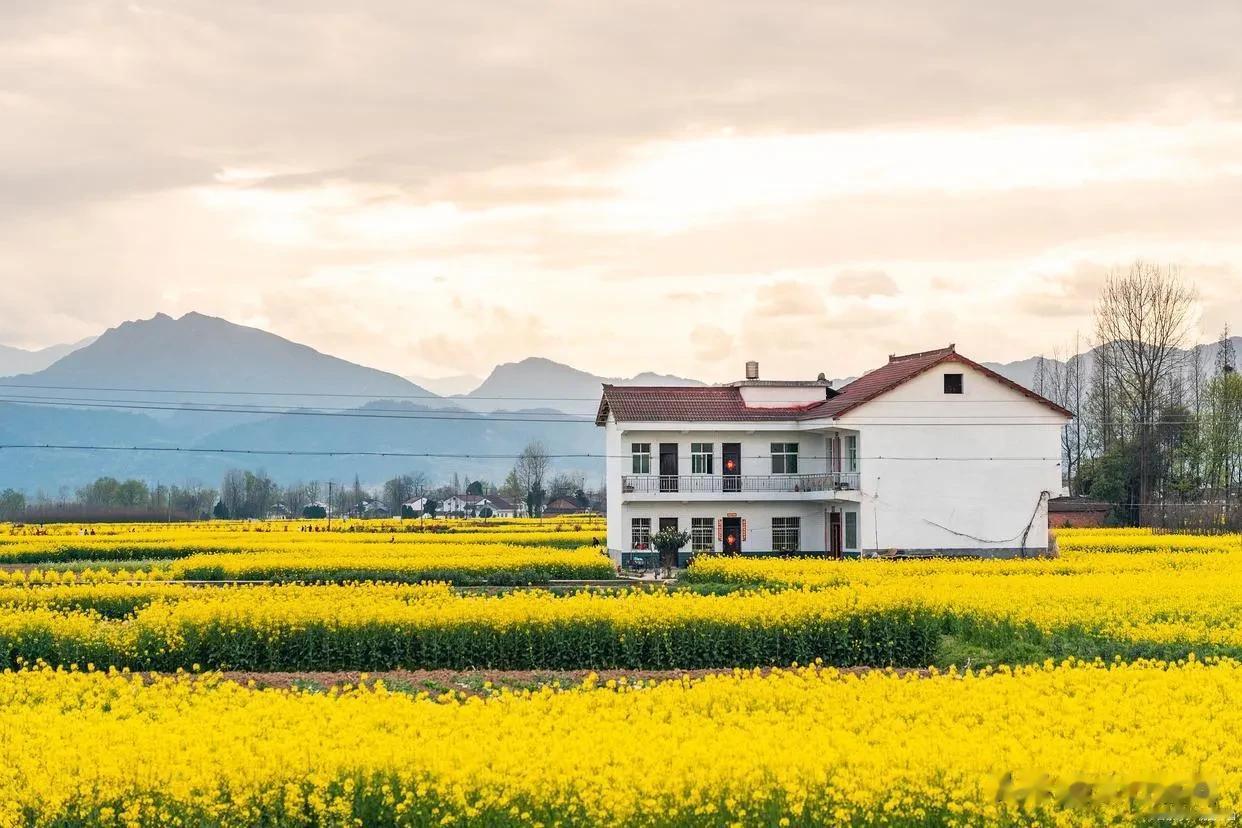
<point>245,494</point>
<point>1157,431</point>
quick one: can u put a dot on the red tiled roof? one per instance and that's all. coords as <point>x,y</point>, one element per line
<point>900,369</point>
<point>711,403</point>
<point>715,403</point>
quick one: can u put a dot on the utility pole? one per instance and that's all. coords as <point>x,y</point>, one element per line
<point>329,505</point>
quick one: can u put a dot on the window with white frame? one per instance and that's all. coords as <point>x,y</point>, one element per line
<point>786,534</point>
<point>641,453</point>
<point>701,458</point>
<point>851,453</point>
<point>784,458</point>
<point>702,534</point>
<point>851,530</point>
<point>640,533</point>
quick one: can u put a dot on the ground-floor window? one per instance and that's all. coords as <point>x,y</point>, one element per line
<point>851,530</point>
<point>702,534</point>
<point>640,533</point>
<point>786,534</point>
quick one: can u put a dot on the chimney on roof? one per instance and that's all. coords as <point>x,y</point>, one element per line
<point>752,370</point>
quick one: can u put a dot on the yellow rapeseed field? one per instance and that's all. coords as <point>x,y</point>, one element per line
<point>463,552</point>
<point>1155,604</point>
<point>1075,744</point>
<point>1094,742</point>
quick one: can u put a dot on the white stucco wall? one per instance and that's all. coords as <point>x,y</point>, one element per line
<point>956,472</point>
<point>781,396</point>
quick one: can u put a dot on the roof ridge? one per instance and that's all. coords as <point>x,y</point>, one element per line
<point>951,349</point>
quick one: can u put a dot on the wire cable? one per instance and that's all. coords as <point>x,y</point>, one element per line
<point>473,456</point>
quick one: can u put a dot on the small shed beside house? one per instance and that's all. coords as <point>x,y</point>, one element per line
<point>1078,511</point>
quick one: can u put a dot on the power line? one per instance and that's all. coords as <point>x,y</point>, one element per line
<point>464,416</point>
<point>510,416</point>
<point>435,414</point>
<point>648,394</point>
<point>252,408</point>
<point>453,455</point>
<point>252,393</point>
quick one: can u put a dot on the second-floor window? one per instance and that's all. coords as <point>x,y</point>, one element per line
<point>784,458</point>
<point>640,533</point>
<point>851,453</point>
<point>701,458</point>
<point>641,453</point>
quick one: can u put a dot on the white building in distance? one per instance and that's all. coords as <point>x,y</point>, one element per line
<point>930,454</point>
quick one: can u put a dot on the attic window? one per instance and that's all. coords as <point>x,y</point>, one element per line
<point>952,383</point>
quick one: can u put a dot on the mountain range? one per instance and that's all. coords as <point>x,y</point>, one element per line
<point>20,361</point>
<point>205,384</point>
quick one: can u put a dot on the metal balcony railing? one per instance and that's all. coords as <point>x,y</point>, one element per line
<point>655,483</point>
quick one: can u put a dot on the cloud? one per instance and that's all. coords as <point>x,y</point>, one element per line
<point>580,177</point>
<point>785,299</point>
<point>1067,294</point>
<point>711,343</point>
<point>864,283</point>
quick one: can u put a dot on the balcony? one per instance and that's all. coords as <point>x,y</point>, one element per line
<point>763,485</point>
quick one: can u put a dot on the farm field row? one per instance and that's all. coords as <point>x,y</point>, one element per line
<point>802,747</point>
<point>910,613</point>
<point>493,552</point>
<point>51,550</point>
<point>731,612</point>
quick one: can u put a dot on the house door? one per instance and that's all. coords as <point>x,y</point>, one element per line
<point>668,467</point>
<point>668,523</point>
<point>731,542</point>
<point>731,466</point>
<point>834,534</point>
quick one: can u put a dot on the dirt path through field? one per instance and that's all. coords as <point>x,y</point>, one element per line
<point>475,682</point>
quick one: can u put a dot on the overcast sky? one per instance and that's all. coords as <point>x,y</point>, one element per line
<point>432,188</point>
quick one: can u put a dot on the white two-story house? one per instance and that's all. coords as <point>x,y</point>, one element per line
<point>930,454</point>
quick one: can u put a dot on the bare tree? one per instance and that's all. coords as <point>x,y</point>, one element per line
<point>233,492</point>
<point>1142,316</point>
<point>295,497</point>
<point>1061,382</point>
<point>529,472</point>
<point>397,491</point>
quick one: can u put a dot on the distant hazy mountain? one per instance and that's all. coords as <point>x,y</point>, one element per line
<point>1024,371</point>
<point>205,353</point>
<point>447,386</point>
<point>536,382</point>
<point>206,361</point>
<point>18,361</point>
